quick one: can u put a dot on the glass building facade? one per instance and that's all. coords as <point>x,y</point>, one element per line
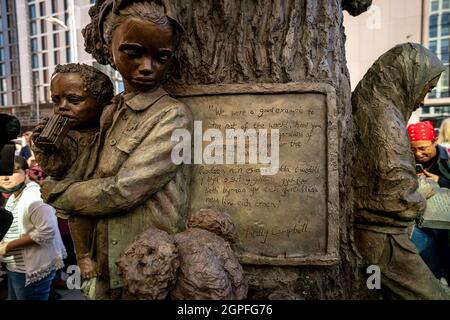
<point>439,42</point>
<point>9,55</point>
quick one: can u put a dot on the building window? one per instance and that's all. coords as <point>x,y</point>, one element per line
<point>66,19</point>
<point>54,6</point>
<point>55,40</point>
<point>3,84</point>
<point>44,43</point>
<point>445,4</point>
<point>434,5</point>
<point>4,99</point>
<point>68,55</point>
<point>45,93</point>
<point>10,21</point>
<point>14,98</point>
<point>12,52</point>
<point>445,24</point>
<point>35,61</point>
<point>43,26</point>
<point>9,5</point>
<point>34,47</point>
<point>67,34</point>
<point>44,60</point>
<point>433,46</point>
<point>45,75</point>
<point>36,76</point>
<point>445,50</point>
<point>42,9</point>
<point>66,6</point>
<point>2,43</point>
<point>2,54</point>
<point>11,36</point>
<point>433,25</point>
<point>2,70</point>
<point>32,11</point>
<point>56,57</point>
<point>33,28</point>
<point>425,110</point>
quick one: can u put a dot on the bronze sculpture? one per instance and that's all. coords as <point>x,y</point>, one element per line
<point>356,7</point>
<point>385,184</point>
<point>196,264</point>
<point>132,183</point>
<point>79,94</point>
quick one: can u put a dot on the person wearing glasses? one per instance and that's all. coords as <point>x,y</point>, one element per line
<point>432,162</point>
<point>432,159</point>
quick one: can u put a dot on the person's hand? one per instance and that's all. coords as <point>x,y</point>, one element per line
<point>3,248</point>
<point>433,177</point>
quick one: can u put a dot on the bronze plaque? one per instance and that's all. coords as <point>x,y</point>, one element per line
<point>287,218</point>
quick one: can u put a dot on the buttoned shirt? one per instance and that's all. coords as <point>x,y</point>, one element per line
<point>132,182</point>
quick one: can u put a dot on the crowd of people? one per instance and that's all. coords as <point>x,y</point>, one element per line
<point>38,246</point>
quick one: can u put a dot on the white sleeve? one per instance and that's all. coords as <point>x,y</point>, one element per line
<point>43,218</point>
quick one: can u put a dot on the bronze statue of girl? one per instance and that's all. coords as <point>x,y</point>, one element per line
<point>132,183</point>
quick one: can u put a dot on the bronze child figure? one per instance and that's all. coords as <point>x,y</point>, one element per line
<point>79,92</point>
<point>134,184</point>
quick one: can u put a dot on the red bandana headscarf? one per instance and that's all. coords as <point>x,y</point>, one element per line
<point>421,131</point>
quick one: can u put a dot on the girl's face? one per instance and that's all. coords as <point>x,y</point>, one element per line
<point>9,182</point>
<point>142,52</point>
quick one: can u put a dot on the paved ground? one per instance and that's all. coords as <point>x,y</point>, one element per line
<point>70,295</point>
<point>67,294</point>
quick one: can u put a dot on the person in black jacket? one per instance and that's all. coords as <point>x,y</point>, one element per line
<point>433,244</point>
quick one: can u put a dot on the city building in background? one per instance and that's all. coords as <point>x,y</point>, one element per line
<point>437,37</point>
<point>10,89</point>
<point>35,36</point>
<point>391,22</point>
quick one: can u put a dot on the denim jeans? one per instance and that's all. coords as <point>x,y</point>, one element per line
<point>433,248</point>
<point>39,290</point>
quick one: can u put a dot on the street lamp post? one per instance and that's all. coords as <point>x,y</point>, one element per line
<point>73,31</point>
<point>37,103</point>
